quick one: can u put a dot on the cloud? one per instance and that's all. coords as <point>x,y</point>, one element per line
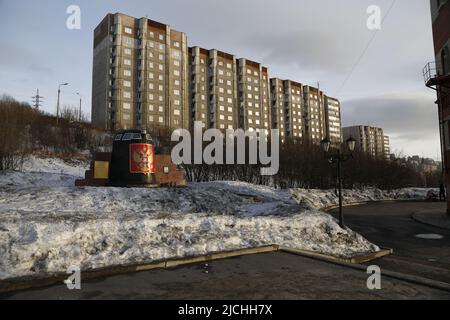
<point>410,119</point>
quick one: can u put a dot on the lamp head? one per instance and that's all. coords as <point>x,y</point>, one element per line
<point>325,144</point>
<point>351,144</point>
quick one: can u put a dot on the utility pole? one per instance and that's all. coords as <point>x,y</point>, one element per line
<point>79,114</point>
<point>57,103</point>
<point>37,100</point>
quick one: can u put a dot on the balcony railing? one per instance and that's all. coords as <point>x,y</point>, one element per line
<point>430,71</point>
<point>434,77</point>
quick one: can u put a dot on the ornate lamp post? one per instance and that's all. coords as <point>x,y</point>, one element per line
<point>338,158</point>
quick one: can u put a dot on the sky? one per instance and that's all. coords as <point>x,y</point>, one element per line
<point>308,41</point>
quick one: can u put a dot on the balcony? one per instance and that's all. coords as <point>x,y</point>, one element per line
<point>432,76</point>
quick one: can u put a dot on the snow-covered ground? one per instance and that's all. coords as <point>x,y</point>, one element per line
<point>48,225</point>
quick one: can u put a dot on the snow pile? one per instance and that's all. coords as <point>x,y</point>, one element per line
<point>48,225</point>
<point>41,172</point>
<point>320,199</point>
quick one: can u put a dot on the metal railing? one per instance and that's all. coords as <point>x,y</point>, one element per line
<point>430,71</point>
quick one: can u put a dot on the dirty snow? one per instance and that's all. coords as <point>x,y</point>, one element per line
<point>320,199</point>
<point>48,225</point>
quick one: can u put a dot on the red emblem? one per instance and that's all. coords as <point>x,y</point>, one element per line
<point>141,158</point>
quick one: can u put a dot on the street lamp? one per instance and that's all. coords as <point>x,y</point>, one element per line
<point>338,158</point>
<point>79,114</point>
<point>57,104</point>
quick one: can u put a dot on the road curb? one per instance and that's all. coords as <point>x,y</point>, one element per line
<point>353,260</point>
<point>391,274</point>
<point>415,217</point>
<point>361,203</point>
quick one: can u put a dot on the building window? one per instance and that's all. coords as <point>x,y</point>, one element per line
<point>166,170</point>
<point>445,60</point>
<point>128,30</point>
<point>176,53</point>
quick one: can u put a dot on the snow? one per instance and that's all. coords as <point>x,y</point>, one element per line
<point>320,199</point>
<point>47,224</point>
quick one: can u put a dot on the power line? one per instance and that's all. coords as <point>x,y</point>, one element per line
<point>366,48</point>
<point>37,100</point>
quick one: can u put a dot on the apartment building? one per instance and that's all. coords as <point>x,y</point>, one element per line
<point>140,75</point>
<point>214,87</point>
<point>387,148</point>
<point>287,108</point>
<point>146,76</point>
<point>198,75</point>
<point>333,120</point>
<point>314,113</point>
<point>370,140</point>
<point>253,96</point>
<point>437,77</point>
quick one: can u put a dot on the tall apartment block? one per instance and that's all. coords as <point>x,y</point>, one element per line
<point>140,75</point>
<point>387,148</point>
<point>146,76</point>
<point>333,120</point>
<point>314,112</point>
<point>213,79</point>
<point>287,108</point>
<point>253,96</point>
<point>369,140</point>
<point>437,77</point>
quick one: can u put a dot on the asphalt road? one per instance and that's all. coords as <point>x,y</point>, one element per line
<point>391,225</point>
<point>270,276</point>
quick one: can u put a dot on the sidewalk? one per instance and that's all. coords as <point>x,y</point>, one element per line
<point>434,217</point>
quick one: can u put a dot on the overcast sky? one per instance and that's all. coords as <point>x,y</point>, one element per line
<point>303,40</point>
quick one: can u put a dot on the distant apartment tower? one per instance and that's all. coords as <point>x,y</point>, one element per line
<point>140,75</point>
<point>287,108</point>
<point>369,140</point>
<point>333,120</point>
<point>253,96</point>
<point>213,88</point>
<point>387,148</point>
